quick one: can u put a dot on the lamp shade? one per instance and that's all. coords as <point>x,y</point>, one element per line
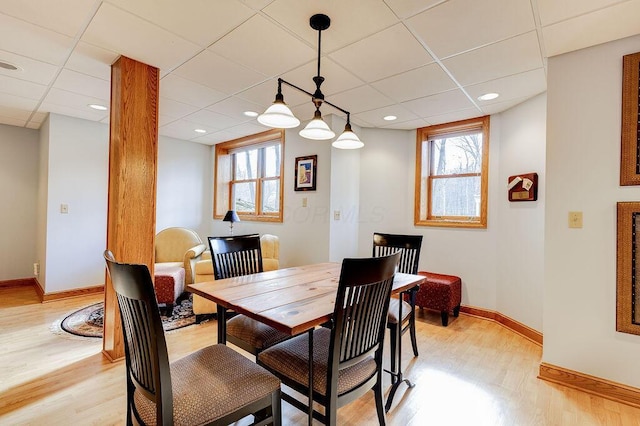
<point>348,139</point>
<point>231,216</point>
<point>279,116</point>
<point>317,129</point>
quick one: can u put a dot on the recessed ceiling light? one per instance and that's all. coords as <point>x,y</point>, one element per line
<point>390,117</point>
<point>8,66</point>
<point>98,107</point>
<point>200,131</point>
<point>251,113</point>
<point>488,96</point>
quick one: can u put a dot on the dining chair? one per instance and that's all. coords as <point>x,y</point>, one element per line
<point>214,385</point>
<point>347,358</point>
<point>409,248</point>
<point>235,256</point>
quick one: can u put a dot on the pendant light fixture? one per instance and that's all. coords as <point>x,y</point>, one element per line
<point>279,115</point>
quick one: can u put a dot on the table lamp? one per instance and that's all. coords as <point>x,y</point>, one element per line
<point>231,217</point>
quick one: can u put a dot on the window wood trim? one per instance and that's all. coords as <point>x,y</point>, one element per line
<point>222,176</point>
<point>424,135</point>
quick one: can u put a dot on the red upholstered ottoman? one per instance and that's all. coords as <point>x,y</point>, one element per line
<point>441,293</point>
<point>169,285</point>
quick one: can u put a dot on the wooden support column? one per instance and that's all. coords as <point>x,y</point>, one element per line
<point>133,156</point>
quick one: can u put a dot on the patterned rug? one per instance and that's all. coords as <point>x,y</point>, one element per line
<point>87,322</point>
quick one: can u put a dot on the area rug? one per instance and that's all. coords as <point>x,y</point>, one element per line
<point>88,321</point>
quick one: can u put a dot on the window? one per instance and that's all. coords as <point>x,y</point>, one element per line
<point>249,177</point>
<point>452,174</point>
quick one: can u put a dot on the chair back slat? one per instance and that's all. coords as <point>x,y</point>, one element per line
<point>235,256</point>
<point>408,246</point>
<point>361,309</point>
<point>146,354</point>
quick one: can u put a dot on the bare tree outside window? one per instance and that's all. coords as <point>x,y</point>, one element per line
<point>451,174</point>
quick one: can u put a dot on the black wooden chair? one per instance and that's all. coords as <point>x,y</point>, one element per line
<point>409,248</point>
<point>236,256</point>
<point>347,358</point>
<point>214,385</point>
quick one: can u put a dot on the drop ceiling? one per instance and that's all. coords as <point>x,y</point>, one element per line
<point>423,61</point>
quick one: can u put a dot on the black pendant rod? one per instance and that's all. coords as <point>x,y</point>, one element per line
<point>280,81</point>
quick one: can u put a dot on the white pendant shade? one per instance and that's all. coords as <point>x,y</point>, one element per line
<point>348,140</point>
<point>279,116</point>
<point>317,129</point>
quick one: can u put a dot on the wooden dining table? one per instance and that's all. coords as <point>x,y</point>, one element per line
<point>293,300</point>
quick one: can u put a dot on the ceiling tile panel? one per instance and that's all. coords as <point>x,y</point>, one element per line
<point>34,42</point>
<point>16,106</point>
<point>235,107</point>
<point>526,84</point>
<point>87,114</point>
<point>5,119</point>
<point>28,69</point>
<point>200,21</point>
<point>358,57</point>
<point>336,78</point>
<point>259,44</point>
<point>407,125</point>
<point>181,129</point>
<point>498,107</point>
<point>214,138</point>
<point>376,116</point>
<point>613,23</point>
<point>213,120</point>
<point>116,30</point>
<point>63,16</point>
<point>460,25</point>
<point>92,60</point>
<point>174,109</point>
<point>498,60</point>
<point>188,92</point>
<point>417,83</point>
<point>442,103</point>
<point>21,88</point>
<point>265,93</point>
<point>360,99</point>
<point>76,101</point>
<point>407,8</point>
<point>552,11</point>
<point>350,20</point>
<point>449,117</point>
<point>219,73</point>
<point>83,84</point>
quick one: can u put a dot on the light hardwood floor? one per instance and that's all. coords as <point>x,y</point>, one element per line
<point>474,372</point>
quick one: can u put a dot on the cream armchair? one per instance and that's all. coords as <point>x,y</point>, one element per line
<point>180,247</point>
<point>270,248</point>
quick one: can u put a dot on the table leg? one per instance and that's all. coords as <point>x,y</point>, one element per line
<point>396,376</point>
<point>310,377</point>
<point>222,324</point>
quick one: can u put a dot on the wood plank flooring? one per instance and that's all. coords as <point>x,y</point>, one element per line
<point>474,372</point>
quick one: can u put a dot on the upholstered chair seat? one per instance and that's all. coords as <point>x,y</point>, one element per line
<point>210,384</point>
<point>179,247</point>
<point>392,316</point>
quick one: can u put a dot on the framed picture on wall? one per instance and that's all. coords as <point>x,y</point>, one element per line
<point>630,149</point>
<point>305,173</point>
<point>628,268</point>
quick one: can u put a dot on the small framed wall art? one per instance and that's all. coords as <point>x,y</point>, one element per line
<point>523,187</point>
<point>628,269</point>
<point>305,173</point>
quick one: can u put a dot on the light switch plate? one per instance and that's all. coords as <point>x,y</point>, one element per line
<point>575,219</point>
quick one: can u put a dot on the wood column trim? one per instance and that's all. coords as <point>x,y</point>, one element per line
<point>133,156</point>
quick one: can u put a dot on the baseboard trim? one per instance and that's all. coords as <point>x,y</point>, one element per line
<point>21,282</point>
<point>49,297</point>
<point>517,327</point>
<point>590,384</point>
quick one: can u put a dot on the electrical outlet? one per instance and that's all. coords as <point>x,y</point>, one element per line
<point>336,215</point>
<point>304,202</point>
<point>64,208</point>
<point>36,269</point>
<point>575,219</point>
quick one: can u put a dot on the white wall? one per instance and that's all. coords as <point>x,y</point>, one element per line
<point>583,169</point>
<point>18,209</point>
<point>386,201</point>
<point>520,255</point>
<point>78,170</point>
<point>184,196</point>
<point>304,235</point>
